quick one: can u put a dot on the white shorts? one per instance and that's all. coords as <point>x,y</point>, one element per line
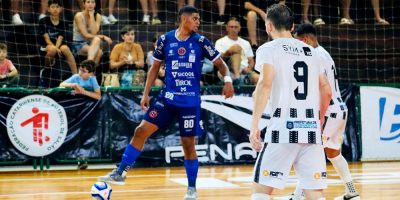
<point>275,161</point>
<point>333,130</point>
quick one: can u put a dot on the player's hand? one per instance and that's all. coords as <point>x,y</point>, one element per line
<point>255,139</point>
<point>3,76</point>
<point>228,90</point>
<point>79,89</point>
<point>145,102</point>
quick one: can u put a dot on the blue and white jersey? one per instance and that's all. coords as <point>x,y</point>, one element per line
<point>183,62</point>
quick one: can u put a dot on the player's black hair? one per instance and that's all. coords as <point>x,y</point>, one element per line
<point>188,10</point>
<point>3,47</point>
<point>281,16</point>
<point>305,29</point>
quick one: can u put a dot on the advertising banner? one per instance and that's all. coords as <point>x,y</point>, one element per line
<point>380,120</point>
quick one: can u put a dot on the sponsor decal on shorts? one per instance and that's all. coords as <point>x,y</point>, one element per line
<point>273,174</point>
<point>319,175</point>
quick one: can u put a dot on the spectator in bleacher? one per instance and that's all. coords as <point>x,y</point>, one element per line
<point>111,18</point>
<point>154,10</point>
<point>181,3</point>
<point>104,19</point>
<point>149,62</point>
<point>86,37</point>
<point>316,12</point>
<point>52,28</point>
<point>128,56</point>
<point>221,12</point>
<point>346,19</point>
<point>378,19</point>
<point>254,8</point>
<point>236,52</point>
<point>43,9</point>
<point>8,72</point>
<point>84,82</point>
<point>16,18</point>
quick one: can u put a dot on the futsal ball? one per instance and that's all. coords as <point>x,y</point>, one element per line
<point>101,191</point>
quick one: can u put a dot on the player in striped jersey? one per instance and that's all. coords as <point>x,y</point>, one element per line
<point>292,82</point>
<point>335,117</point>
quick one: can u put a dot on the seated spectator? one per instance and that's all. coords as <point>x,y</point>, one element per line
<point>52,28</point>
<point>104,19</point>
<point>8,72</point>
<point>84,82</point>
<point>128,56</point>
<point>236,51</point>
<point>149,62</point>
<point>86,37</point>
<point>316,11</point>
<point>16,18</point>
<point>154,10</point>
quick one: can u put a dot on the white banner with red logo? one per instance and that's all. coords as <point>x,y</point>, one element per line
<point>380,121</point>
<point>37,125</point>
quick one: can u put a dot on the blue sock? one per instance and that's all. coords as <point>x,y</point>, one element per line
<point>192,167</point>
<point>129,157</point>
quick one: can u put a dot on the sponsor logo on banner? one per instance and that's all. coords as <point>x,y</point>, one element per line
<point>380,123</point>
<point>210,152</point>
<point>37,125</point>
<point>392,130</point>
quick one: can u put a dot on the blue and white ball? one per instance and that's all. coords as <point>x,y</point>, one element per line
<point>101,191</point>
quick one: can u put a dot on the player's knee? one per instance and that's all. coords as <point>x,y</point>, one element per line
<point>51,51</point>
<point>331,153</point>
<point>96,41</point>
<point>251,15</point>
<point>64,49</point>
<point>140,133</point>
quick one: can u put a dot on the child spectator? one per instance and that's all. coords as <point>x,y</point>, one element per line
<point>84,82</point>
<point>8,73</point>
<point>53,30</point>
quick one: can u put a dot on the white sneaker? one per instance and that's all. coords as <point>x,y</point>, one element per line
<point>16,20</point>
<point>191,194</point>
<point>146,19</point>
<point>345,21</point>
<point>112,19</point>
<point>104,20</point>
<point>290,197</point>
<point>318,22</point>
<point>348,197</point>
<point>41,16</point>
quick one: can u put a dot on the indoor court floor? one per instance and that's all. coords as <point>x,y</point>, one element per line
<point>374,181</point>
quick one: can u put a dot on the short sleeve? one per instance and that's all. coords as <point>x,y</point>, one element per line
<point>220,46</point>
<point>114,56</point>
<point>264,55</point>
<point>208,49</point>
<point>248,52</point>
<point>10,65</point>
<point>95,84</point>
<point>159,50</point>
<point>72,79</point>
<point>42,26</point>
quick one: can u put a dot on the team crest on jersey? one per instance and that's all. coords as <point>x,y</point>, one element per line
<point>181,51</point>
<point>289,125</point>
<point>153,114</point>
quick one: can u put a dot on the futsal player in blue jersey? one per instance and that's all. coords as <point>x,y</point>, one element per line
<point>182,50</point>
